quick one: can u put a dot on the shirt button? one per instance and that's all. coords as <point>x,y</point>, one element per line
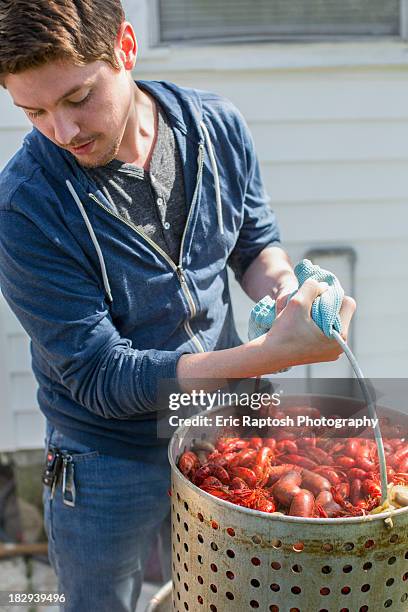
<point>160,201</point>
<point>166,225</point>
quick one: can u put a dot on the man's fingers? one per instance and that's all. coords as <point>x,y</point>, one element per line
<point>281,302</point>
<point>310,290</point>
<point>347,310</point>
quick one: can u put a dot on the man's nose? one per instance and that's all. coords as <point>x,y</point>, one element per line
<point>65,129</point>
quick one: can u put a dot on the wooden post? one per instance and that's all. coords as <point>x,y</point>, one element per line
<point>21,550</point>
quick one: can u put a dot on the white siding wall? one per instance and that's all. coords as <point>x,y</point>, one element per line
<point>331,128</point>
<point>21,421</point>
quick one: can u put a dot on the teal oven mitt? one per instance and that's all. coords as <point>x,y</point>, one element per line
<point>325,308</point>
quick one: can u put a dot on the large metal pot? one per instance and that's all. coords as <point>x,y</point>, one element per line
<point>226,557</point>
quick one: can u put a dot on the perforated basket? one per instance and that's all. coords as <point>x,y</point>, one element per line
<point>226,557</point>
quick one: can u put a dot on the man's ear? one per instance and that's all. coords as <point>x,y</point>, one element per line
<point>126,46</point>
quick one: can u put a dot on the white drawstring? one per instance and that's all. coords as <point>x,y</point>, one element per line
<point>93,238</point>
<point>216,176</point>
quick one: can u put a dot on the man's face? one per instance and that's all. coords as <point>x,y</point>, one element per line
<point>82,109</point>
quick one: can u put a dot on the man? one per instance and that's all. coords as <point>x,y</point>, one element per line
<point>118,217</point>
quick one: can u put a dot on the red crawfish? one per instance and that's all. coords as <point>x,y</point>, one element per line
<point>246,474</point>
<point>255,443</point>
<point>343,489</point>
<point>344,462</point>
<point>287,446</point>
<point>271,442</point>
<point>307,442</point>
<point>225,445</point>
<point>356,473</point>
<point>211,469</point>
<point>262,474</point>
<point>351,510</point>
<point>188,463</point>
<point>212,481</point>
<point>256,499</point>
<point>304,462</point>
<point>319,455</point>
<point>334,476</point>
<point>344,476</point>
<point>370,488</point>
<point>238,483</point>
<point>264,456</point>
<point>215,457</point>
<point>398,457</point>
<point>390,473</point>
<point>330,446</point>
<point>365,463</point>
<point>217,492</point>
<point>222,459</point>
<point>396,443</point>
<point>264,505</point>
<point>352,447</point>
<point>244,457</point>
<point>399,478</point>
<point>319,511</point>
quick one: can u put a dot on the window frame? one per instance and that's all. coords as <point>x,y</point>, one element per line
<point>155,33</point>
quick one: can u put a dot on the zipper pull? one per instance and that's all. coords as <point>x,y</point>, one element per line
<point>68,482</point>
<point>180,274</point>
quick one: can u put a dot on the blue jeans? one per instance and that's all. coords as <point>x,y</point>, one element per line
<point>99,547</point>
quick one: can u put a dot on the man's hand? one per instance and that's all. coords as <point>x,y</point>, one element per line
<point>284,292</point>
<point>294,339</point>
<point>300,340</point>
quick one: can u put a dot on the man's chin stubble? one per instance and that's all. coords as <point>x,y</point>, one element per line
<point>103,159</point>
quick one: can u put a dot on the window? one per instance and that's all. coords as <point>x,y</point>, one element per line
<point>229,20</point>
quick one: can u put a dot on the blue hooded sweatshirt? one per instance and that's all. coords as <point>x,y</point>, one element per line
<point>108,312</point>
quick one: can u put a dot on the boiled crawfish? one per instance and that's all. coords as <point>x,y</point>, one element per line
<point>308,477</point>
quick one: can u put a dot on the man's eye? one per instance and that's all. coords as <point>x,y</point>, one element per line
<point>34,114</point>
<point>83,101</point>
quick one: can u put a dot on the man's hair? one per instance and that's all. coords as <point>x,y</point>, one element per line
<point>34,32</point>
